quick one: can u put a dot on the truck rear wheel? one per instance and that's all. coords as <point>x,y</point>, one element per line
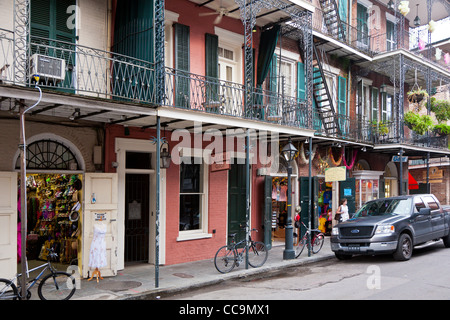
<point>404,248</point>
<point>446,240</point>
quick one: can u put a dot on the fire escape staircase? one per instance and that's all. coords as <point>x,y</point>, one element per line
<point>323,99</point>
<point>332,20</point>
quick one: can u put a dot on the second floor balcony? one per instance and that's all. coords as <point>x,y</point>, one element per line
<point>110,76</point>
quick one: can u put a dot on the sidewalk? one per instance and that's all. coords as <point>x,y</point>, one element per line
<point>138,282</point>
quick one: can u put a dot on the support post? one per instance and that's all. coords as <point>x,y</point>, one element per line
<point>158,205</point>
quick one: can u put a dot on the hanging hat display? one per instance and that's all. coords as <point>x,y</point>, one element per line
<point>421,44</point>
<point>432,26</point>
<point>438,54</point>
<point>404,7</point>
<point>447,58</point>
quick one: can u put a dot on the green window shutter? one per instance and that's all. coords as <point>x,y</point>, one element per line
<point>211,68</point>
<point>181,47</point>
<point>212,55</point>
<point>301,86</point>
<point>273,74</point>
<point>182,93</point>
<point>343,10</point>
<point>342,96</point>
<point>40,18</point>
<point>374,104</point>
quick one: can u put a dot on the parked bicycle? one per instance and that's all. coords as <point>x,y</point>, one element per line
<point>230,256</point>
<point>57,285</point>
<point>318,238</point>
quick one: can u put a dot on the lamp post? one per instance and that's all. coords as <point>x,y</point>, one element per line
<point>288,154</point>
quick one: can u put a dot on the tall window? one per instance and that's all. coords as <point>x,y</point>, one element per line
<point>390,42</point>
<point>374,104</point>
<point>386,106</point>
<point>193,193</point>
<point>362,26</point>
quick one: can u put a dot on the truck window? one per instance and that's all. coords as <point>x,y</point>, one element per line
<point>418,204</point>
<point>431,202</point>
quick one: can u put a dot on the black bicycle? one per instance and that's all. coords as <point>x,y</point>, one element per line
<point>57,285</point>
<point>230,256</point>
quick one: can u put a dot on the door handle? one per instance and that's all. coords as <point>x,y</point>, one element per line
<point>112,220</point>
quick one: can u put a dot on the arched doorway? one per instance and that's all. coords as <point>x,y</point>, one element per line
<point>54,183</point>
<point>390,180</point>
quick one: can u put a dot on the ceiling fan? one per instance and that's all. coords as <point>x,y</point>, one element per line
<point>222,11</point>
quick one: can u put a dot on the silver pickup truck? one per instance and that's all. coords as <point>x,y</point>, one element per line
<point>392,226</point>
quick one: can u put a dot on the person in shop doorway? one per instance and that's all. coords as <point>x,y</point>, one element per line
<point>343,210</point>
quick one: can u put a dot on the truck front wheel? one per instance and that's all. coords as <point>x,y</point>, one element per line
<point>446,240</point>
<point>404,248</point>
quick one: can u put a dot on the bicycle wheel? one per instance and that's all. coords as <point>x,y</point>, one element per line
<point>8,290</point>
<point>57,286</point>
<point>300,247</point>
<point>317,243</point>
<point>257,254</point>
<point>225,259</point>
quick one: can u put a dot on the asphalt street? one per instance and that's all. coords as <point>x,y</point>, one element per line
<point>423,277</point>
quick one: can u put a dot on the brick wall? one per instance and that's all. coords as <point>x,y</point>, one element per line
<point>83,138</point>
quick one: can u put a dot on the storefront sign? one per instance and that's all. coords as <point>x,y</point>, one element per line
<point>221,162</point>
<point>335,174</point>
<point>397,159</point>
<point>100,216</point>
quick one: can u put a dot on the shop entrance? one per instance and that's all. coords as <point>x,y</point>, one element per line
<point>237,200</point>
<point>53,218</point>
<point>137,218</point>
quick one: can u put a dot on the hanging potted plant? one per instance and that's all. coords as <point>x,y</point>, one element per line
<point>442,129</point>
<point>419,124</point>
<point>417,95</point>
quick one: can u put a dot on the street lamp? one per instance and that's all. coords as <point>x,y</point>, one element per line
<point>288,154</point>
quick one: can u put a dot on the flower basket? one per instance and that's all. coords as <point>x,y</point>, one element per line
<point>416,98</point>
<point>417,95</point>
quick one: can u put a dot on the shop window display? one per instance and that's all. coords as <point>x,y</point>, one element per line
<point>279,206</point>
<point>54,216</point>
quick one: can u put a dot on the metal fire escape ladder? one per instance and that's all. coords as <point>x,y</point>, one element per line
<point>332,20</point>
<point>323,98</point>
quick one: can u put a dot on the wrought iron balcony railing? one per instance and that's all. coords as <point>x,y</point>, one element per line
<point>97,73</point>
<point>199,93</point>
<point>410,41</point>
<point>351,36</point>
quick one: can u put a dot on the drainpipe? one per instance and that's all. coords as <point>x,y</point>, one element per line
<point>23,192</point>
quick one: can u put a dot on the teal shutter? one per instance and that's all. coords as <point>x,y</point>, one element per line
<point>48,19</point>
<point>342,96</point>
<point>273,74</point>
<point>182,65</point>
<point>342,104</point>
<point>211,68</point>
<point>134,37</point>
<point>212,55</point>
<point>301,92</point>
<point>301,86</point>
<point>343,10</point>
<point>374,104</point>
<point>362,27</point>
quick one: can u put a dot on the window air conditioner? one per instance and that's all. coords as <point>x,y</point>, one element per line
<point>48,68</point>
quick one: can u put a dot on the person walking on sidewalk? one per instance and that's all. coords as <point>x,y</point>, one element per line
<point>343,210</point>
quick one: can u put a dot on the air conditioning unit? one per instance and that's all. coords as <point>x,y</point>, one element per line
<point>48,68</point>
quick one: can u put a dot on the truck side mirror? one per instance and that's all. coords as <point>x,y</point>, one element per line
<point>424,211</point>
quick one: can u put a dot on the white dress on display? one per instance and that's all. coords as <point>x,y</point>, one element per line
<point>97,255</point>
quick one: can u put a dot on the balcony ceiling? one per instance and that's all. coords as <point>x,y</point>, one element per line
<point>231,9</point>
<point>440,10</point>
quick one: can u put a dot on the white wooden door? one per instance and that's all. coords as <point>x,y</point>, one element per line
<point>8,224</point>
<point>103,187</point>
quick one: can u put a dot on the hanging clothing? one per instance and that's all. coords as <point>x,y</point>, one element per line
<point>97,255</point>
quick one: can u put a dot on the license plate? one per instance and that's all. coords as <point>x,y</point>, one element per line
<point>354,247</point>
